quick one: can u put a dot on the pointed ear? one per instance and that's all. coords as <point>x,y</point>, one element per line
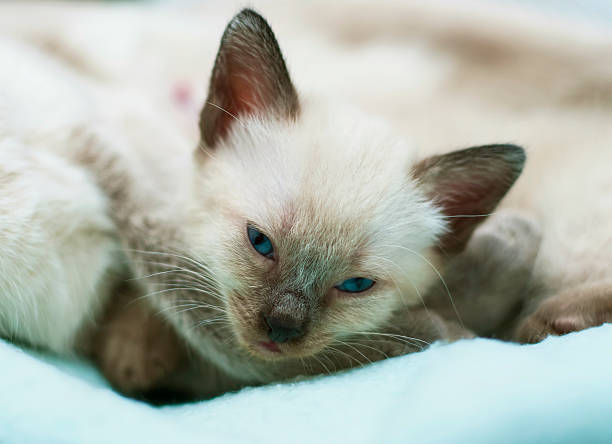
<point>467,185</point>
<point>249,77</point>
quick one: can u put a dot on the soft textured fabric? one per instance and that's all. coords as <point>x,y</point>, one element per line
<point>473,391</point>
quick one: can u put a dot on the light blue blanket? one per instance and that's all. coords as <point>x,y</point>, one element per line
<point>473,391</point>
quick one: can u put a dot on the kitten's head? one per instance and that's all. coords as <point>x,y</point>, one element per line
<point>315,222</point>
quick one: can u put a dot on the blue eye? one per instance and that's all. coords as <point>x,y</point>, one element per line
<point>260,242</point>
<point>355,285</point>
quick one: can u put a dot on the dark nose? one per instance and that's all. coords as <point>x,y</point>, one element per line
<point>285,317</point>
<point>282,330</point>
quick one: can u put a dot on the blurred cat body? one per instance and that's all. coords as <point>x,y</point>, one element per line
<point>62,258</point>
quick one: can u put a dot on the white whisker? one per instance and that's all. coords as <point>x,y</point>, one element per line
<point>439,276</point>
<point>416,291</point>
<point>351,358</point>
<point>354,348</point>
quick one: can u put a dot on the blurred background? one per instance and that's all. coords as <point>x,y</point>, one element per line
<point>445,74</point>
<point>591,10</point>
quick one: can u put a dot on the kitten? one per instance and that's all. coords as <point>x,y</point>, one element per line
<point>310,233</point>
<point>299,238</point>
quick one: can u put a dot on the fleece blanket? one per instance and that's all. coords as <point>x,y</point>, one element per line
<point>472,391</point>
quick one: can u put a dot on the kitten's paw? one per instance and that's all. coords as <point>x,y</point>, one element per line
<point>137,360</point>
<point>573,310</point>
<point>134,349</point>
<point>487,279</point>
<point>509,239</point>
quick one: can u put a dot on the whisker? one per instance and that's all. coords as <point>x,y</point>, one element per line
<point>199,265</point>
<point>193,307</point>
<point>439,276</point>
<point>195,301</point>
<point>406,339</point>
<point>416,291</point>
<point>220,324</point>
<point>360,344</point>
<point>201,276</point>
<point>354,348</point>
<point>202,148</point>
<point>469,215</point>
<point>197,287</point>
<point>220,108</point>
<point>321,363</point>
<point>303,362</point>
<point>196,277</point>
<point>188,259</point>
<point>158,273</point>
<point>359,363</point>
<point>407,343</point>
<point>153,293</point>
<point>329,360</point>
<point>185,282</point>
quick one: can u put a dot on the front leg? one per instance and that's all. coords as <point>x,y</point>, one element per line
<point>487,281</point>
<point>135,349</point>
<point>572,310</point>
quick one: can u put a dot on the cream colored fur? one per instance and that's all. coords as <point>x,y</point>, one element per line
<point>440,76</point>
<point>61,253</point>
<point>59,249</point>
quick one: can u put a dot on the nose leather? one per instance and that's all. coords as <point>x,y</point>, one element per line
<point>286,318</point>
<point>281,331</point>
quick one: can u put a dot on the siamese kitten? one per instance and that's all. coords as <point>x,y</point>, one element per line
<point>298,238</point>
<point>309,235</point>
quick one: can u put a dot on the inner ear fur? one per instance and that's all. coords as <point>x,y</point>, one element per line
<point>249,77</point>
<point>467,185</point>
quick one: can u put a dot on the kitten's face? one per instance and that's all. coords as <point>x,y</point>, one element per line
<point>311,229</point>
<point>315,224</point>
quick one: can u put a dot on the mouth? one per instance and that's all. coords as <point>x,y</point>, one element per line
<point>266,350</point>
<point>273,351</point>
<point>270,346</point>
<point>257,344</point>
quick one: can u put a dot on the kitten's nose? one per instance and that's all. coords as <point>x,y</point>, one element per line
<point>286,318</point>
<point>281,330</point>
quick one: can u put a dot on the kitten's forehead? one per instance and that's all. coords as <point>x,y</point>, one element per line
<point>330,182</point>
<point>325,158</point>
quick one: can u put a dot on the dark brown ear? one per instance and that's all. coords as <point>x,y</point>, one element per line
<point>249,77</point>
<point>467,185</point>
